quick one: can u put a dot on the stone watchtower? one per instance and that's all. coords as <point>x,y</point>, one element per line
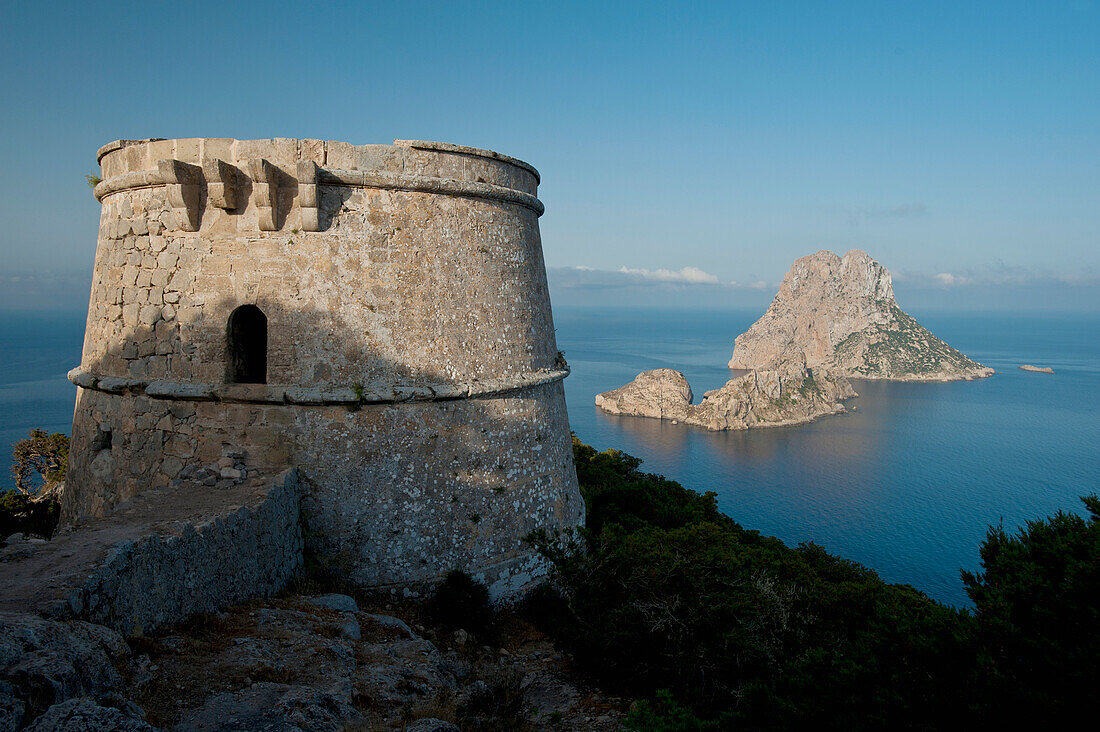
<point>375,315</point>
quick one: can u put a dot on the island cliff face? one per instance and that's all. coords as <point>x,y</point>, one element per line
<point>839,314</point>
<point>766,398</point>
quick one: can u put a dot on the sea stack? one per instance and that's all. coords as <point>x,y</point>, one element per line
<point>839,315</point>
<point>768,398</point>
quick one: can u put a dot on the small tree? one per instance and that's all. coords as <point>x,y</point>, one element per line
<point>459,601</point>
<point>39,462</point>
<point>1037,603</point>
<point>19,513</point>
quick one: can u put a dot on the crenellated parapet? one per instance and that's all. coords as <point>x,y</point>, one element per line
<point>201,174</point>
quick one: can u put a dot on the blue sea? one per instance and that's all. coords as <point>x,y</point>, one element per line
<point>36,351</point>
<point>906,484</point>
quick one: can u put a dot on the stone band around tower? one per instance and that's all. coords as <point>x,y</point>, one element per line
<point>381,393</point>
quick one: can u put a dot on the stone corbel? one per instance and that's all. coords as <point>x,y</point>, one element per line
<point>307,195</point>
<point>221,183</point>
<point>265,194</point>
<point>184,182</point>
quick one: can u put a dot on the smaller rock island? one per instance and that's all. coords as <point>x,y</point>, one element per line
<point>1037,369</point>
<point>761,398</point>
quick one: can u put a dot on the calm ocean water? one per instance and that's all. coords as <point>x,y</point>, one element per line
<point>36,351</point>
<point>906,484</point>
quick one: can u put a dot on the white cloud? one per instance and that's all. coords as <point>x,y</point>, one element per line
<point>997,275</point>
<point>685,275</point>
<point>755,285</point>
<point>948,279</point>
<point>583,277</point>
<point>44,290</point>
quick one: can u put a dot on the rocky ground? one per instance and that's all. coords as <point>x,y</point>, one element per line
<point>767,398</point>
<point>298,662</point>
<point>129,622</point>
<point>839,315</point>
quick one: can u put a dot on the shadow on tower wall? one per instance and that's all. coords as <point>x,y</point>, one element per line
<point>397,490</point>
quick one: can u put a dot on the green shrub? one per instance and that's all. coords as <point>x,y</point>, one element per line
<point>20,513</point>
<point>461,602</point>
<point>665,714</point>
<point>663,597</point>
<point>38,466</point>
<point>663,591</point>
<point>39,462</point>
<point>1037,605</point>
<point>496,704</point>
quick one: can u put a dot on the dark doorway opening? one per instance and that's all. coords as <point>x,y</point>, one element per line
<point>246,346</point>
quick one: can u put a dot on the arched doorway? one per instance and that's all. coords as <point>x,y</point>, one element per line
<point>246,346</point>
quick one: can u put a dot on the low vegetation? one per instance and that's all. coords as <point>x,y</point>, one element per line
<point>460,603</point>
<point>666,599</point>
<point>1038,614</point>
<point>902,346</point>
<point>21,514</point>
<point>39,462</point>
<point>38,466</point>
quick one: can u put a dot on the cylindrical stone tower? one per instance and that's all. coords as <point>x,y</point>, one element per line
<point>375,315</point>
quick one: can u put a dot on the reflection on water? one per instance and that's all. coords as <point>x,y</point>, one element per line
<point>669,442</point>
<point>907,482</point>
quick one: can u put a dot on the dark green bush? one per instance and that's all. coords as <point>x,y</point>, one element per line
<point>495,705</point>
<point>665,714</point>
<point>20,513</point>
<point>461,602</point>
<point>1037,605</point>
<point>38,466</point>
<point>663,591</point>
<point>39,462</point>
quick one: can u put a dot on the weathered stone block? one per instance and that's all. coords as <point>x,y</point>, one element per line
<point>149,314</point>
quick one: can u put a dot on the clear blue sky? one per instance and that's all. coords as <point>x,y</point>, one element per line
<point>958,143</point>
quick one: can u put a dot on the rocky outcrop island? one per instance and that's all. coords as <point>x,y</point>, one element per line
<point>763,398</point>
<point>839,314</point>
<point>834,318</point>
<point>1037,369</point>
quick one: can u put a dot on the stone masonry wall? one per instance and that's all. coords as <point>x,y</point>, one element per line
<point>168,577</point>
<point>400,285</point>
<point>391,494</point>
<point>163,556</point>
